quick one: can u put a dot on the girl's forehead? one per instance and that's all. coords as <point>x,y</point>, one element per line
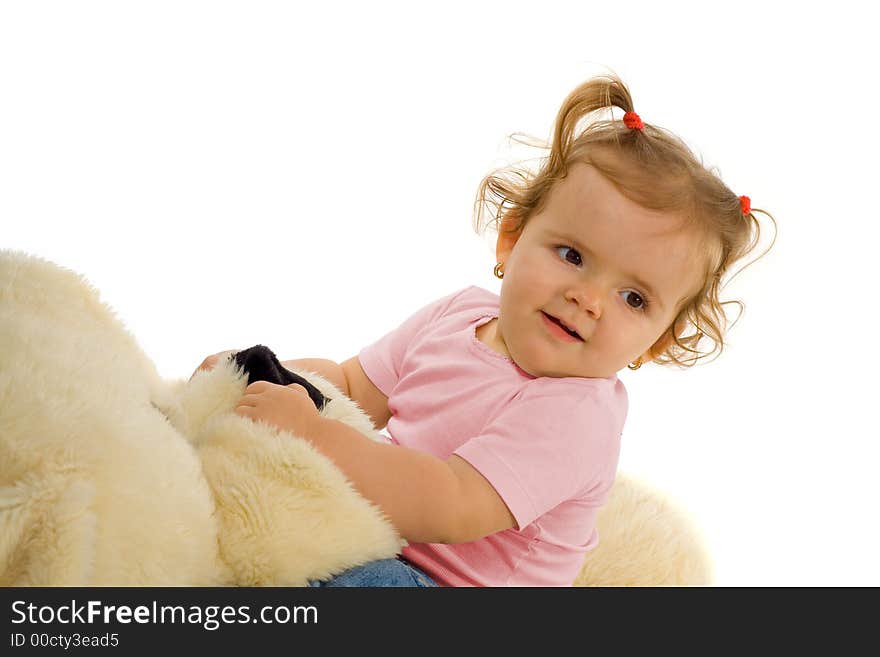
<point>607,217</point>
<point>585,198</point>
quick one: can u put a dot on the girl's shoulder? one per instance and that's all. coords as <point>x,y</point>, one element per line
<point>475,295</point>
<point>473,300</point>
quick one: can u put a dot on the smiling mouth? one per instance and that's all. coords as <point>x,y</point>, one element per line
<point>574,334</point>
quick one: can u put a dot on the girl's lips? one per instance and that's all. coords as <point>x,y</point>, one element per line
<point>556,329</point>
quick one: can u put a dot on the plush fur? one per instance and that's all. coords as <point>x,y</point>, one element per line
<point>110,475</point>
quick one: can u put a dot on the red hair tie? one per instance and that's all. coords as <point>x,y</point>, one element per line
<point>746,203</point>
<point>632,120</point>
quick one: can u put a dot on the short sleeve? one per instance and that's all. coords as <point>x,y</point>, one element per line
<point>539,452</point>
<point>382,360</point>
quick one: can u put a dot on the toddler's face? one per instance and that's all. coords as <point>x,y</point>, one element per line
<point>600,264</point>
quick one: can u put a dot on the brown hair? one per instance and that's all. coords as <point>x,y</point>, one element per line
<point>653,168</point>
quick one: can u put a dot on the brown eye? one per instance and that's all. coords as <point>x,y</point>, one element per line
<point>569,255</point>
<point>635,300</point>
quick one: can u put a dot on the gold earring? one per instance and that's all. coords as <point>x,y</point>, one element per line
<point>638,365</point>
<point>499,273</point>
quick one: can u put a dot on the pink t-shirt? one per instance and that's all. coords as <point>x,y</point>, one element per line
<point>549,446</point>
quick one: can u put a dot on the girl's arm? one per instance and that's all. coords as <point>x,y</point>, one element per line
<point>428,500</point>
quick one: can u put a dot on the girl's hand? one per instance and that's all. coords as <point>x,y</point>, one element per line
<point>211,361</point>
<point>286,407</point>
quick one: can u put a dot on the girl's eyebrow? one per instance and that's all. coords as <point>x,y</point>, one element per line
<point>655,297</point>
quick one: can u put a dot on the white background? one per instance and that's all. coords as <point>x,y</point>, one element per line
<point>302,175</point>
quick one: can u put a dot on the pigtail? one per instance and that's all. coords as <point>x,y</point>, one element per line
<point>594,95</point>
<point>512,194</point>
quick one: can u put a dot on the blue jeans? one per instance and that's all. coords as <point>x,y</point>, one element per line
<point>384,572</point>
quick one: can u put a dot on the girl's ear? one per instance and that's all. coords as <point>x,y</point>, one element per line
<point>508,234</point>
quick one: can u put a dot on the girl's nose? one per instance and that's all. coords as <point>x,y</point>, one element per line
<point>588,298</point>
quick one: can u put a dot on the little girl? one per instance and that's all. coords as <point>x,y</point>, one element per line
<point>505,413</point>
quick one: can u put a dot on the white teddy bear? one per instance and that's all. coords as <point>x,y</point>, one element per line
<point>112,476</point>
